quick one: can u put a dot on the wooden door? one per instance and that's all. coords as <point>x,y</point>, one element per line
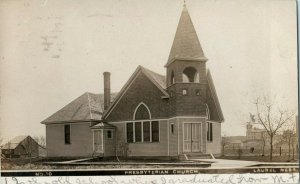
<point>192,137</point>
<point>98,141</point>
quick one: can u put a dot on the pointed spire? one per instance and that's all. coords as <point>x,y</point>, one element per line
<point>186,45</point>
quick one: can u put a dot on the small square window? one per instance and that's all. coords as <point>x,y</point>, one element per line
<point>171,93</point>
<point>109,134</point>
<point>184,92</point>
<point>197,92</point>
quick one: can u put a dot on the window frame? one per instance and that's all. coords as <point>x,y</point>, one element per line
<point>67,140</point>
<point>142,131</point>
<point>197,92</point>
<point>185,89</point>
<point>209,132</point>
<point>111,134</point>
<point>172,128</point>
<point>132,132</point>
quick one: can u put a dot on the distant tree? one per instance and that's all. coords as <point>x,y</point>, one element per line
<point>264,137</point>
<point>41,140</point>
<point>271,117</point>
<point>289,137</point>
<point>224,142</point>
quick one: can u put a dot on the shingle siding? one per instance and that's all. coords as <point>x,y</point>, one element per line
<point>141,90</point>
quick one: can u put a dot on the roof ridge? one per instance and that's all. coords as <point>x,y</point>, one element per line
<point>148,70</point>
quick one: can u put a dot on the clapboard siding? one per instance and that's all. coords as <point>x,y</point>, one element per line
<point>81,140</point>
<point>146,148</point>
<point>109,143</point>
<point>214,147</point>
<point>173,138</point>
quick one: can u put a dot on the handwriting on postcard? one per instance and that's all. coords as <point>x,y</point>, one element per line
<point>159,179</point>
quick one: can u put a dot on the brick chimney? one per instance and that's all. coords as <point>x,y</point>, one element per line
<point>106,76</point>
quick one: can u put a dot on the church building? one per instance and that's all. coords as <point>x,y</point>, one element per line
<point>153,115</point>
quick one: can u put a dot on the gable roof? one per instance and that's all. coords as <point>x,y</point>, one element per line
<point>86,107</point>
<point>213,93</point>
<point>186,45</point>
<point>12,144</point>
<point>157,79</point>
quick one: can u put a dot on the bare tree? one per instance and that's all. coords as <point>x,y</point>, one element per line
<point>271,117</point>
<point>264,137</point>
<point>41,140</point>
<point>289,136</point>
<point>224,143</point>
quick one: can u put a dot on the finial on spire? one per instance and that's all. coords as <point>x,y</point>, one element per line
<point>184,5</point>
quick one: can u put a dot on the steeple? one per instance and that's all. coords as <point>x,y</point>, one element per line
<point>186,45</point>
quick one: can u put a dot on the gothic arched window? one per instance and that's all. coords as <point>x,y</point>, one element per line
<point>142,112</point>
<point>190,74</point>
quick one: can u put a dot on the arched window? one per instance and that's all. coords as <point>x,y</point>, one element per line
<point>142,112</point>
<point>190,74</point>
<point>172,78</point>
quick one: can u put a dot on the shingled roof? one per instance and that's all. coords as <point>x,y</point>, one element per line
<point>158,78</point>
<point>12,144</point>
<point>186,45</point>
<point>87,107</point>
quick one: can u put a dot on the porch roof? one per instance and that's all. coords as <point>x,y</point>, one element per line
<point>103,125</point>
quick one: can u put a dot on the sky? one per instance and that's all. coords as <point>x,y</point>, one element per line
<point>52,51</point>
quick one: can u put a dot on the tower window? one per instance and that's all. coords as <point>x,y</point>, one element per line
<point>184,92</point>
<point>190,74</point>
<point>197,92</point>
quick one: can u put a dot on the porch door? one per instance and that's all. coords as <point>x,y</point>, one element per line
<point>98,141</point>
<point>192,137</point>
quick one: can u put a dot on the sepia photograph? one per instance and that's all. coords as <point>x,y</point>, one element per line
<point>119,87</point>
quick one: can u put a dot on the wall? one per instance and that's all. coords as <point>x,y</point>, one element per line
<point>146,149</point>
<point>109,144</point>
<point>215,147</point>
<point>81,140</point>
<point>173,138</point>
<point>190,104</point>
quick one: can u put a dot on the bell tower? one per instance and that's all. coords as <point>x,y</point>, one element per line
<point>186,70</point>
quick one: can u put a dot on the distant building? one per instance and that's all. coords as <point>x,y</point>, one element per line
<point>21,146</point>
<point>257,142</point>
